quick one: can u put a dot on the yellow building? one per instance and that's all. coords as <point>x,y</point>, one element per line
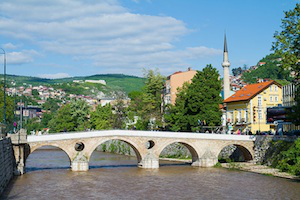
<point>247,109</point>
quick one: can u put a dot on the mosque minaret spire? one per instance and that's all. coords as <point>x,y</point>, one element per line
<point>226,65</point>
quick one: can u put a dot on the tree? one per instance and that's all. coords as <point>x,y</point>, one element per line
<point>63,120</point>
<point>119,113</point>
<point>33,124</point>
<point>147,104</point>
<point>102,117</point>
<point>80,111</point>
<point>9,110</point>
<point>237,71</point>
<point>51,105</point>
<point>287,44</point>
<point>71,117</point>
<point>197,101</point>
<point>175,116</point>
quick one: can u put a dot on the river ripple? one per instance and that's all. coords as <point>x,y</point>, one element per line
<point>117,177</point>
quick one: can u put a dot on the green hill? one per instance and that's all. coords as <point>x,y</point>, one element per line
<point>271,69</point>
<point>114,82</point>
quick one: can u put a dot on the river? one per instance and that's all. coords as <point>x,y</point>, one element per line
<point>117,177</point>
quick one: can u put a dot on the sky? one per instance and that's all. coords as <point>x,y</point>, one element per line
<point>63,38</point>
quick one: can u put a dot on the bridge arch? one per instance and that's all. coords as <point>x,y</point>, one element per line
<point>244,149</point>
<point>190,147</point>
<point>32,148</point>
<point>127,141</point>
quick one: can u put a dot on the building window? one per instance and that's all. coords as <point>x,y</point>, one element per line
<point>276,88</point>
<point>259,101</point>
<point>271,88</point>
<point>276,99</point>
<point>239,115</point>
<point>259,114</point>
<point>246,115</point>
<point>271,99</point>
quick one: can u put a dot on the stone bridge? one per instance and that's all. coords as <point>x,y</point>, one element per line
<point>147,146</point>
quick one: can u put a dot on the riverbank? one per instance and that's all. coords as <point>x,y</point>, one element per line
<point>260,169</point>
<point>245,166</point>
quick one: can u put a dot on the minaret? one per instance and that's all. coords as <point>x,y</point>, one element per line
<point>226,65</point>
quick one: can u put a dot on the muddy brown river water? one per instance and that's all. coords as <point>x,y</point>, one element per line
<point>114,176</point>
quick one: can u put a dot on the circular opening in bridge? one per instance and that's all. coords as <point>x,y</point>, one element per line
<point>79,146</point>
<point>150,144</point>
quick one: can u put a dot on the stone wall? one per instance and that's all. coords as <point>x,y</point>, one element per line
<point>6,163</point>
<point>265,147</point>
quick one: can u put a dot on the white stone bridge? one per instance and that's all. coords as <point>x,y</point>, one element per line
<point>147,145</point>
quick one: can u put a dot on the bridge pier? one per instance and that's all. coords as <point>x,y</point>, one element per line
<point>150,161</point>
<point>79,166</point>
<point>21,150</point>
<point>208,159</point>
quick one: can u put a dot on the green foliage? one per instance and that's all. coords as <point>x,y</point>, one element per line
<point>197,101</point>
<point>9,110</point>
<point>285,156</point>
<point>63,120</point>
<point>80,111</point>
<point>287,42</point>
<point>290,159</point>
<point>71,117</point>
<point>120,114</point>
<point>51,105</point>
<point>102,117</point>
<point>237,71</point>
<point>46,119</point>
<point>271,70</point>
<point>147,104</point>
<point>33,124</point>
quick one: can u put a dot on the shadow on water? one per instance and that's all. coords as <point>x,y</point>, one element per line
<point>8,189</point>
<point>32,169</point>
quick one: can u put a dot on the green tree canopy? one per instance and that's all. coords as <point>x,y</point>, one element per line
<point>197,101</point>
<point>102,117</point>
<point>63,120</point>
<point>287,42</point>
<point>147,104</point>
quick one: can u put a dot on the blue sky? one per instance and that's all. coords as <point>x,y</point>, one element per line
<point>61,38</point>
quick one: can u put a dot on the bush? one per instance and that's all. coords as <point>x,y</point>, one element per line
<point>290,159</point>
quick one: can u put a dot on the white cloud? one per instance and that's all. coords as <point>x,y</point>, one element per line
<point>54,76</point>
<point>105,33</point>
<point>20,57</point>
<point>9,46</point>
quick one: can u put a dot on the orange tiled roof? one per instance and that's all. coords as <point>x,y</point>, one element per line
<point>250,91</point>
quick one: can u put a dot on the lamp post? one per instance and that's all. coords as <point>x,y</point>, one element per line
<point>4,89</point>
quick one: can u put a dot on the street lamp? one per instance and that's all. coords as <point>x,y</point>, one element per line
<point>4,88</point>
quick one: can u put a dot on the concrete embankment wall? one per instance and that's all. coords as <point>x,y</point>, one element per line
<point>6,163</point>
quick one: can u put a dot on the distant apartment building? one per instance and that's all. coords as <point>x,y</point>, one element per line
<point>174,82</point>
<point>247,108</point>
<point>288,100</point>
<point>288,95</point>
<point>103,82</point>
<point>30,111</point>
